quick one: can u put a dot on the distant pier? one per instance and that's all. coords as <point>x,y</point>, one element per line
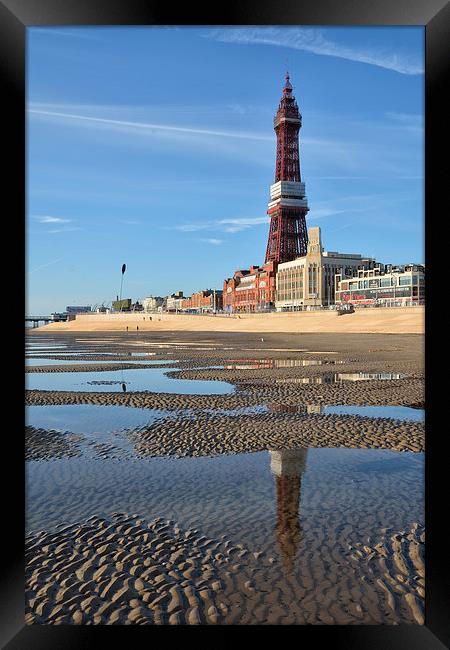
<point>53,318</point>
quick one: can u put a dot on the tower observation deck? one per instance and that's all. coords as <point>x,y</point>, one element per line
<point>288,237</point>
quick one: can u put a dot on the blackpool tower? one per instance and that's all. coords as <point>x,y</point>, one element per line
<point>288,237</point>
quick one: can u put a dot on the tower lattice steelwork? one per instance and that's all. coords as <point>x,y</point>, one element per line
<point>288,237</point>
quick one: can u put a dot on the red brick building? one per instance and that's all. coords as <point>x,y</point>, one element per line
<point>251,290</point>
<point>208,300</point>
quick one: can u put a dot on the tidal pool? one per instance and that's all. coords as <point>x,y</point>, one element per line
<point>44,347</point>
<point>143,379</point>
<point>45,361</point>
<point>394,412</point>
<point>90,418</point>
<point>303,509</point>
<point>235,494</point>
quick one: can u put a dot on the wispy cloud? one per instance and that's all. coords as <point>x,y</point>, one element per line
<point>192,227</point>
<point>225,225</point>
<point>49,219</point>
<point>151,127</point>
<point>57,230</point>
<point>320,213</point>
<point>42,266</point>
<point>228,141</point>
<point>84,33</point>
<point>310,39</point>
<point>212,241</point>
<point>236,225</point>
<point>408,121</point>
<point>344,227</point>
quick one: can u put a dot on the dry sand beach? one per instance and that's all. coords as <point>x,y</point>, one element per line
<point>273,479</point>
<point>389,321</point>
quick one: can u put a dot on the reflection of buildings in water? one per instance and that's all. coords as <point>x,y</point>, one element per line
<point>295,408</point>
<point>314,408</point>
<point>323,379</point>
<point>360,376</point>
<point>272,363</point>
<point>288,467</point>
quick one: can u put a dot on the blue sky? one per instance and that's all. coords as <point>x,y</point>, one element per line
<point>155,147</point>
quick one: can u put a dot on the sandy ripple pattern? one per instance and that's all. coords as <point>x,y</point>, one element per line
<point>401,393</point>
<point>203,435</point>
<point>46,444</point>
<point>396,562</point>
<point>127,571</point>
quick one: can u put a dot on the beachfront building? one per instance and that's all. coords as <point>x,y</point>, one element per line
<point>383,285</point>
<point>209,300</point>
<point>309,281</point>
<point>152,303</point>
<point>121,305</point>
<point>250,290</point>
<point>78,309</point>
<point>174,302</point>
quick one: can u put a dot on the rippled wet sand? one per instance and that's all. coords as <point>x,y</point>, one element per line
<point>121,530</point>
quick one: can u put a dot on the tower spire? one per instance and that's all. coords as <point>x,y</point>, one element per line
<point>288,236</point>
<point>287,85</point>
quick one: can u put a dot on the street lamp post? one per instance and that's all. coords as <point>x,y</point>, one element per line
<point>124,266</point>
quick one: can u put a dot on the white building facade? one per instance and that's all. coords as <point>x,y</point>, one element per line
<point>309,281</point>
<point>383,285</point>
<point>152,303</point>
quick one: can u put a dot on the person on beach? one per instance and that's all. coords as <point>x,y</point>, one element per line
<point>127,328</point>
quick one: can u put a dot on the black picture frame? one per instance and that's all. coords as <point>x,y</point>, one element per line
<point>434,15</point>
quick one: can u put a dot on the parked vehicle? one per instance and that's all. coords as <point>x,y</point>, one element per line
<point>345,309</point>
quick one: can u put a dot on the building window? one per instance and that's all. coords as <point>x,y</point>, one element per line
<point>404,279</point>
<point>385,282</point>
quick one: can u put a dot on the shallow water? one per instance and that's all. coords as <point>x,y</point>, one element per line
<point>45,361</point>
<point>247,476</point>
<point>302,507</point>
<point>44,347</point>
<point>216,492</point>
<point>394,412</point>
<point>382,411</point>
<point>142,379</point>
<point>90,418</point>
<point>73,353</point>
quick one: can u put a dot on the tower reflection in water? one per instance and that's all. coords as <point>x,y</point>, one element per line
<point>288,466</point>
